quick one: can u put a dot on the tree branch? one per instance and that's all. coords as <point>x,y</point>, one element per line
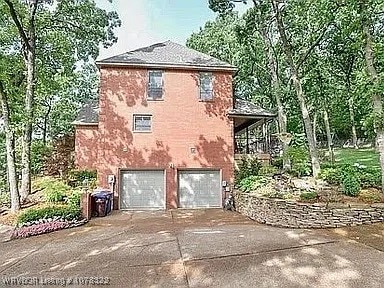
<point>18,23</point>
<point>313,46</point>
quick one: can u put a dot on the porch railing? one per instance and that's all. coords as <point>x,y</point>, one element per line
<point>257,145</point>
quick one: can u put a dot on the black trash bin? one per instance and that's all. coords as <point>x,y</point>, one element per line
<point>102,203</point>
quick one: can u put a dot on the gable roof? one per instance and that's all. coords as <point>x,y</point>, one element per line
<point>88,114</point>
<point>167,55</point>
<point>247,108</point>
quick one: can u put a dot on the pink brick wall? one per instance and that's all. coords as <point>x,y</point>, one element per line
<point>85,148</point>
<point>179,122</point>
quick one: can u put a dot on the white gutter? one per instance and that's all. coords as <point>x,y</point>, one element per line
<point>166,65</point>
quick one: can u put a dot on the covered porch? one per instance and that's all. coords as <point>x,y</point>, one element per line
<point>253,131</point>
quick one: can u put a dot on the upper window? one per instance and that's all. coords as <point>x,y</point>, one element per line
<point>142,123</point>
<point>155,85</point>
<point>206,86</point>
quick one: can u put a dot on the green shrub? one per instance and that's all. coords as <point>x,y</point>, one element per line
<point>331,175</point>
<point>277,162</point>
<point>39,154</point>
<point>5,199</point>
<point>76,178</point>
<point>65,212</point>
<point>371,196</point>
<point>268,170</point>
<point>73,199</point>
<point>251,183</point>
<point>299,158</point>
<point>54,189</point>
<point>247,167</point>
<point>369,177</point>
<point>308,196</point>
<point>351,185</point>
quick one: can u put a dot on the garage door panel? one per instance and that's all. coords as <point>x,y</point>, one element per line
<point>199,189</point>
<point>142,190</point>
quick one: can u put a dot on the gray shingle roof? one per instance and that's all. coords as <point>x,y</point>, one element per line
<point>167,54</point>
<point>88,114</point>
<point>247,108</point>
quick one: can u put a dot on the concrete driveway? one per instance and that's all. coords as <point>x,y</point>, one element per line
<point>202,248</point>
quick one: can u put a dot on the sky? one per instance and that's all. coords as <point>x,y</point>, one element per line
<point>145,22</point>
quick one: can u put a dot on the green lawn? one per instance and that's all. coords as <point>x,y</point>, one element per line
<point>368,157</point>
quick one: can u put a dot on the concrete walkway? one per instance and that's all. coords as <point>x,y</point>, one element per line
<point>202,248</point>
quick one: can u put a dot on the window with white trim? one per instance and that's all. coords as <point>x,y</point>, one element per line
<point>142,123</point>
<point>206,86</point>
<point>155,85</point>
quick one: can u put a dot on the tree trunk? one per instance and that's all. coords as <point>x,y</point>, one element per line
<point>329,136</point>
<point>376,97</point>
<point>314,128</point>
<point>29,104</point>
<point>45,126</point>
<point>10,147</point>
<point>299,90</point>
<point>275,84</point>
<point>352,118</point>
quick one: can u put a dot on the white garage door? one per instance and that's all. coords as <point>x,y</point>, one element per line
<point>142,189</point>
<point>200,189</point>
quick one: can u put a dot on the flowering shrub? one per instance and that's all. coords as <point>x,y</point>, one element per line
<point>45,226</point>
<point>38,229</point>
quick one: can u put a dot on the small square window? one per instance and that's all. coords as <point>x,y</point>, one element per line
<point>206,86</point>
<point>142,123</point>
<point>155,85</point>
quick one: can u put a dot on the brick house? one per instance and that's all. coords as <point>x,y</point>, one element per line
<point>161,134</point>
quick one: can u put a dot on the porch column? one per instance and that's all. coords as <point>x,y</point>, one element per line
<point>267,136</point>
<point>247,139</point>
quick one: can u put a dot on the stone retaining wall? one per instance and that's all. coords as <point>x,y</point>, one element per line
<point>284,213</point>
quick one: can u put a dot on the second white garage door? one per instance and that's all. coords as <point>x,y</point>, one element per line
<point>142,189</point>
<point>199,189</point>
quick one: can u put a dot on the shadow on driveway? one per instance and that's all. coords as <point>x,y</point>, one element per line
<point>200,248</point>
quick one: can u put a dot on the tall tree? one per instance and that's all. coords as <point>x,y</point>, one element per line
<point>59,35</point>
<point>370,20</point>
<point>28,41</point>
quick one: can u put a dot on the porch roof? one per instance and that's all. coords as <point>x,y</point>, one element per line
<point>88,114</point>
<point>247,109</point>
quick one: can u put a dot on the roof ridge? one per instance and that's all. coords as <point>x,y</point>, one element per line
<point>167,54</point>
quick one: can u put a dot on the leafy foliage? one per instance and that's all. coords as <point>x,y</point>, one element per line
<point>64,212</point>
<point>251,183</point>
<point>332,175</point>
<point>5,199</point>
<point>299,158</point>
<point>351,185</point>
<point>247,167</point>
<point>40,152</point>
<point>73,199</point>
<point>76,177</point>
<point>68,37</point>
<point>268,170</point>
<point>369,177</point>
<point>350,175</point>
<point>61,158</point>
<point>54,189</point>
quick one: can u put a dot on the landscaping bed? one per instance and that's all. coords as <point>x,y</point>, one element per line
<point>345,194</point>
<point>53,205</point>
<point>293,214</point>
